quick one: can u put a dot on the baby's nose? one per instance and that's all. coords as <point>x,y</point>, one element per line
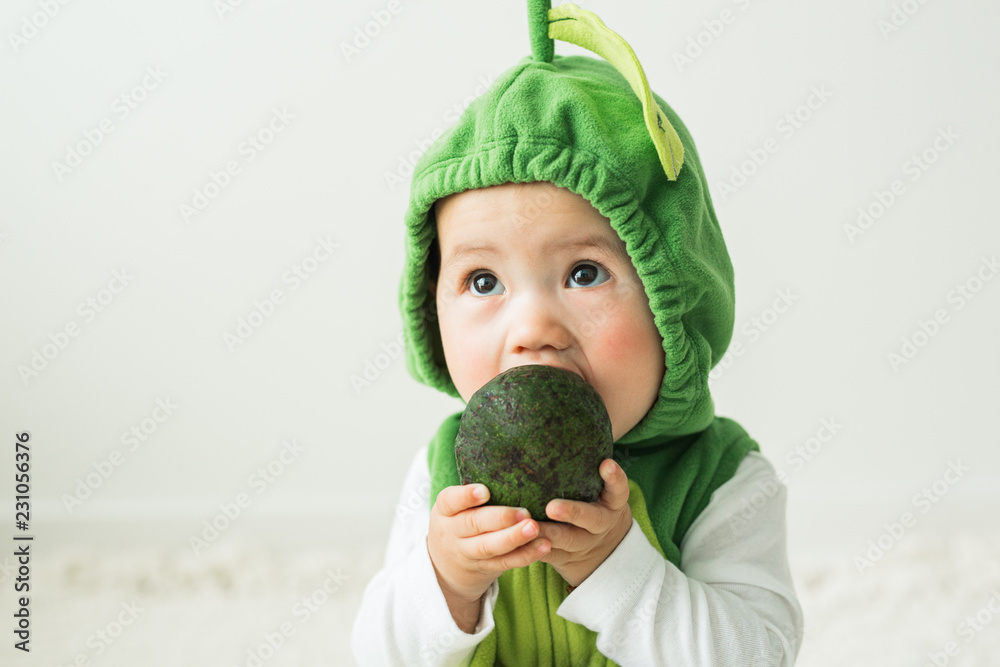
<point>537,323</point>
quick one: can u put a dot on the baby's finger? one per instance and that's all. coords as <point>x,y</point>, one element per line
<point>564,537</point>
<point>614,496</point>
<point>488,546</point>
<point>454,499</point>
<point>592,517</point>
<point>521,557</point>
<point>480,520</point>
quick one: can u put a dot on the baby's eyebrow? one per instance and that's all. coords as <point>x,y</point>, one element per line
<point>470,249</point>
<point>616,247</point>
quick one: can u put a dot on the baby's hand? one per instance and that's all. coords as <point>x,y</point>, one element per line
<point>471,546</point>
<point>590,531</point>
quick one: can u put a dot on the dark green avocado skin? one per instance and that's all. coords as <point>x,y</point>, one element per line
<point>534,433</point>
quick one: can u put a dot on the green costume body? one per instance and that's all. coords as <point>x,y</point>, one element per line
<point>593,127</point>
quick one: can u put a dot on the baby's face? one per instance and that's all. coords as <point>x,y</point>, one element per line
<point>533,274</point>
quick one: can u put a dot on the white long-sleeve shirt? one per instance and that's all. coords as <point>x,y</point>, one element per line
<point>731,602</point>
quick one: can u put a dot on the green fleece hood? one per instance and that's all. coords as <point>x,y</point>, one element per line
<point>578,123</point>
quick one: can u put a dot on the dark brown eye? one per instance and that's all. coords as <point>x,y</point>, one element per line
<point>585,275</point>
<point>484,284</point>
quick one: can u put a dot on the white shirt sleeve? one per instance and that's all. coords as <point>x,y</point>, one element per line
<point>731,602</point>
<point>404,619</point>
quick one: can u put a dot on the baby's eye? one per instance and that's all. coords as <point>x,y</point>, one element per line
<point>587,275</point>
<point>485,284</point>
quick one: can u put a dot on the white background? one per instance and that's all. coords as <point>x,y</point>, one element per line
<point>357,118</point>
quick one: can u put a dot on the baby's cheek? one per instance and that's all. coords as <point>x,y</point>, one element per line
<point>628,332</point>
<point>631,352</point>
<point>616,341</point>
<point>469,359</point>
<point>463,364</point>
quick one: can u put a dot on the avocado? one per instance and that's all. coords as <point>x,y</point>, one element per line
<point>534,433</point>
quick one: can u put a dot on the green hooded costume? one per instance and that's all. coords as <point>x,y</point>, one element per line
<point>592,126</point>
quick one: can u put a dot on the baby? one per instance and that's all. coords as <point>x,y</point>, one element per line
<point>565,220</point>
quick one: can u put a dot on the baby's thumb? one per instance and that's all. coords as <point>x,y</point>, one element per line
<point>455,499</point>
<point>615,493</point>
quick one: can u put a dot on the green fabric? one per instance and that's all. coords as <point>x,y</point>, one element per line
<point>542,47</point>
<point>578,26</point>
<point>579,123</point>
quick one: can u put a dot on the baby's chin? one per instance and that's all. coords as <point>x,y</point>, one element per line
<point>618,429</point>
<point>622,424</point>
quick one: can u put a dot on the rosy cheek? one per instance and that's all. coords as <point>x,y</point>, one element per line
<point>616,342</point>
<point>467,352</point>
<point>619,340</point>
<point>629,348</point>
